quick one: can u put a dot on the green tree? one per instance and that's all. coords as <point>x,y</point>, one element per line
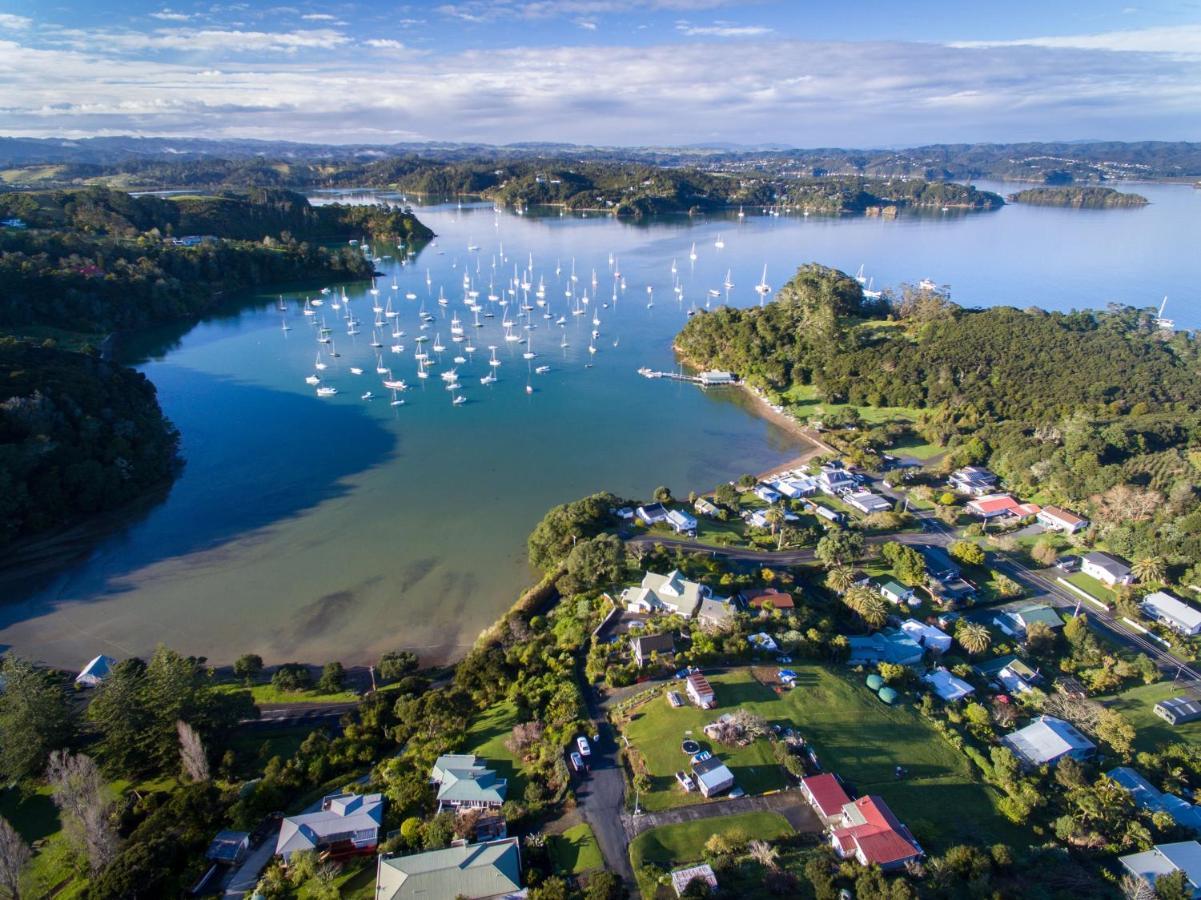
<point>839,547</point>
<point>662,494</point>
<point>967,552</point>
<point>840,578</point>
<point>1173,886</point>
<point>593,563</point>
<point>333,676</point>
<point>726,495</point>
<point>396,664</point>
<point>292,677</point>
<point>1149,569</point>
<point>35,719</point>
<point>122,716</point>
<point>604,885</point>
<point>248,667</point>
<point>973,637</point>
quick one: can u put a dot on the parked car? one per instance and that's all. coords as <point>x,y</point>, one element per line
<point>585,747</point>
<point>577,762</point>
<point>685,781</point>
<point>784,658</point>
<point>1068,563</point>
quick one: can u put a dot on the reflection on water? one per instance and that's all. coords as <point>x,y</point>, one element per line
<point>307,528</point>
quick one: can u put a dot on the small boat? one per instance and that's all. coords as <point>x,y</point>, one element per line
<point>719,243</point>
<point>308,308</point>
<point>542,370</point>
<point>529,388</point>
<point>355,370</point>
<point>763,288</point>
<point>410,296</point>
<point>692,252</point>
<point>326,391</point>
<point>396,401</point>
<point>367,395</point>
<point>312,379</point>
<point>319,364</point>
<point>488,379</point>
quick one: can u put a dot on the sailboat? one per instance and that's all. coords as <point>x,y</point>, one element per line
<point>389,312</point>
<point>719,243</point>
<point>727,284</point>
<point>763,288</point>
<point>319,364</point>
<point>529,352</point>
<point>308,307</point>
<point>375,341</point>
<point>285,326</point>
<point>396,401</point>
<point>692,252</point>
<point>1160,321</point>
<point>741,214</point>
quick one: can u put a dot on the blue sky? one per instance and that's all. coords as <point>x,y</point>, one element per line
<point>661,72</point>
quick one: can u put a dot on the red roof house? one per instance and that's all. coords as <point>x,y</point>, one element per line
<point>873,835</point>
<point>826,796</point>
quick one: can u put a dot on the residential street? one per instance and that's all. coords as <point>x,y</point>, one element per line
<point>601,795</point>
<point>790,804</point>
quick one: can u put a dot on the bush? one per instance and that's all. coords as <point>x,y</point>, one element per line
<point>292,677</point>
<point>396,664</point>
<point>248,667</point>
<point>333,676</point>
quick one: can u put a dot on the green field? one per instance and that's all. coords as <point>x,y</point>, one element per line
<point>657,730</point>
<point>804,403</point>
<point>672,846</point>
<point>1137,704</point>
<point>486,738</point>
<point>1091,586</point>
<point>854,735</point>
<point>281,742</point>
<point>575,851</point>
<point>269,693</point>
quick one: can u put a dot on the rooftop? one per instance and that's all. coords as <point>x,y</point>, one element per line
<point>1046,739</point>
<point>475,870</point>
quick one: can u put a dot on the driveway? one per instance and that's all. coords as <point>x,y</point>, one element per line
<point>790,804</point>
<point>600,794</point>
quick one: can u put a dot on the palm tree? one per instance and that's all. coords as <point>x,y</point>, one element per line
<point>973,637</point>
<point>840,578</point>
<point>764,854</point>
<point>873,609</point>
<point>1150,568</point>
<point>774,517</point>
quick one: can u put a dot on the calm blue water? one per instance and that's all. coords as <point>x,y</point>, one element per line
<point>317,528</point>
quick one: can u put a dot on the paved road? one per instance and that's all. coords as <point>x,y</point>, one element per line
<point>290,714</point>
<point>601,794</point>
<point>790,804</point>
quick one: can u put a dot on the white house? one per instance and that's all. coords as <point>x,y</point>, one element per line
<point>867,502</point>
<point>712,776</point>
<point>896,593</point>
<point>927,636</point>
<point>766,493</point>
<point>1057,519</point>
<point>652,513</point>
<point>834,479</point>
<point>670,593</point>
<point>706,507</point>
<point>680,522</point>
<point>96,671</point>
<point>947,686</point>
<point>1176,614</point>
<point>699,690</point>
<point>1105,568</point>
<point>1166,859</point>
<point>345,822</point>
<point>973,480</point>
<point>794,488</point>
<point>1047,740</point>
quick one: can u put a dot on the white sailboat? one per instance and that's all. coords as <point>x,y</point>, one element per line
<point>319,364</point>
<point>763,288</point>
<point>719,243</point>
<point>692,252</point>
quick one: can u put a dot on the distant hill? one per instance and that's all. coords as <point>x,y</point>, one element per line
<point>1079,197</point>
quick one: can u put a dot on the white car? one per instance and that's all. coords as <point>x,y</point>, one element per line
<point>585,747</point>
<point>577,762</point>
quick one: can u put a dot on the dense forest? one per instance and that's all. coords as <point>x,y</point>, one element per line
<point>79,435</point>
<point>1095,410</point>
<point>1079,197</point>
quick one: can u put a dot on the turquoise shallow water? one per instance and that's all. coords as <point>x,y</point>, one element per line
<point>318,528</point>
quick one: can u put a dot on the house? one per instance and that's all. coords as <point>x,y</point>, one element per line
<point>947,686</point>
<point>465,783</point>
<point>765,493</point>
<point>1176,614</point>
<point>992,506</point>
<point>96,671</point>
<point>795,488</point>
<point>952,592</point>
<point>700,691</point>
<point>651,514</point>
<point>346,824</point>
<point>896,593</point>
<point>834,479</point>
<point>715,612</point>
<point>1105,568</point>
<point>712,776</point>
<point>1047,740</point>
<point>228,847</point>
<point>1016,622</point>
<point>1057,519</point>
<point>973,480</point>
<point>893,647</point>
<point>929,637</point>
<point>768,598</point>
<point>763,641</point>
<point>874,836</point>
<point>939,564</point>
<point>681,878</point>
<point>830,515</point>
<point>1178,710</point>
<point>704,507</point>
<point>670,593</point>
<point>680,521</point>
<point>827,797</point>
<point>1017,677</point>
<point>489,869</point>
<point>1165,859</point>
<point>643,647</point>
<point>1147,796</point>
<point>709,379</point>
<point>867,502</point>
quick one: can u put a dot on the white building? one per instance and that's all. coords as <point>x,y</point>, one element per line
<point>1061,520</point>
<point>680,522</point>
<point>96,671</point>
<point>1105,568</point>
<point>1166,859</point>
<point>927,636</point>
<point>1176,614</point>
<point>1047,740</point>
<point>867,502</point>
<point>947,686</point>
<point>670,593</point>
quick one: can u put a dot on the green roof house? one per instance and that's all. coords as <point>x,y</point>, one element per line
<point>491,869</point>
<point>464,783</point>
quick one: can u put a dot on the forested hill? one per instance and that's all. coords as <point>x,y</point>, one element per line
<point>1081,409</point>
<point>78,435</point>
<point>1079,197</point>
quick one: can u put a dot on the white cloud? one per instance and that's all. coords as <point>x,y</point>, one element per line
<point>200,40</point>
<point>1183,40</point>
<point>724,29</point>
<point>319,17</point>
<point>587,25</point>
<point>169,15</point>
<point>384,44</point>
<point>11,22</point>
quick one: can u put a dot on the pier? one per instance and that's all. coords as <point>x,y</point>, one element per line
<point>705,379</point>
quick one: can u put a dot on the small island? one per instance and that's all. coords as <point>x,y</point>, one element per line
<point>1079,197</point>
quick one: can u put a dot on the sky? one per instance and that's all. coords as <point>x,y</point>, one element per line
<point>856,73</point>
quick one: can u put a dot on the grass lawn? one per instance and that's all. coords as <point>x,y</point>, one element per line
<point>355,882</point>
<point>486,738</point>
<point>268,693</point>
<point>282,742</point>
<point>656,730</point>
<point>671,846</point>
<point>575,850</point>
<point>1091,586</point>
<point>1137,704</point>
